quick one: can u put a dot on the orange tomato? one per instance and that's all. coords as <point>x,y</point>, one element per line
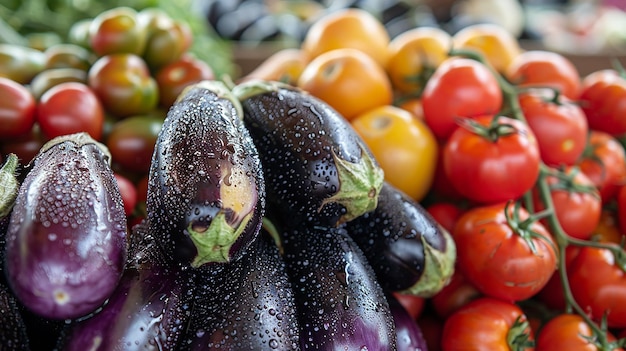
<point>497,45</point>
<point>403,146</point>
<point>414,55</point>
<point>348,28</point>
<point>413,105</point>
<point>348,80</point>
<point>284,65</point>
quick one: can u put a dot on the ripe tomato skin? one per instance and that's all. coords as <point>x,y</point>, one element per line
<point>560,126</point>
<point>489,171</point>
<point>17,109</point>
<point>496,259</point>
<point>482,324</point>
<point>128,192</point>
<point>578,212</point>
<point>621,209</point>
<point>175,76</point>
<point>117,31</point>
<point>496,44</point>
<point>567,332</point>
<point>445,213</point>
<point>68,108</point>
<point>602,100</point>
<point>460,87</point>
<point>413,304</point>
<point>599,285</point>
<point>453,296</point>
<point>403,145</point>
<point>604,162</point>
<point>541,68</point>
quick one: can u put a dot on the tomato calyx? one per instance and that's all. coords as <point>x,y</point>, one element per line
<point>523,227</point>
<point>518,338</point>
<point>493,132</point>
<point>566,181</point>
<point>10,184</point>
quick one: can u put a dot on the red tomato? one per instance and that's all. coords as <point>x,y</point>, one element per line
<point>486,324</point>
<point>576,200</point>
<point>558,123</point>
<point>175,76</point>
<point>599,285</point>
<point>26,146</point>
<point>460,87</point>
<point>496,255</point>
<point>414,305</point>
<point>131,142</point>
<point>69,108</point>
<point>487,168</point>
<point>128,192</point>
<point>568,332</point>
<point>432,328</point>
<point>17,109</point>
<point>547,69</point>
<point>621,209</point>
<point>602,100</point>
<point>604,162</point>
<point>445,213</point>
<point>453,296</point>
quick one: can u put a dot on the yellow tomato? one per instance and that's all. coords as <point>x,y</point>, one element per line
<point>414,55</point>
<point>403,146</point>
<point>494,42</point>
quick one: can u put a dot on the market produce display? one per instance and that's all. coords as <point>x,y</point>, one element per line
<point>362,191</point>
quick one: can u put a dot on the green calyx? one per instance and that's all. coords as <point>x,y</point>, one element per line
<point>213,243</point>
<point>359,186</point>
<point>438,268</point>
<point>9,185</point>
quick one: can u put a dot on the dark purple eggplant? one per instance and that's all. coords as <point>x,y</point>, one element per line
<point>406,247</point>
<point>67,237</point>
<point>149,310</point>
<point>340,304</point>
<point>245,305</point>
<point>408,334</point>
<point>206,192</point>
<point>316,166</point>
<point>13,334</point>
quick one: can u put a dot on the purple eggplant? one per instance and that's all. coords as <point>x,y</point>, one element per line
<point>340,304</point>
<point>206,192</point>
<point>149,310</point>
<point>245,305</point>
<point>408,334</point>
<point>406,247</point>
<point>13,334</point>
<point>316,166</point>
<point>67,237</point>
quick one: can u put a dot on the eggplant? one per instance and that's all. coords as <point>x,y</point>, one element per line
<point>67,237</point>
<point>316,166</point>
<point>340,304</point>
<point>206,191</point>
<point>409,251</point>
<point>13,334</point>
<point>149,309</point>
<point>9,186</point>
<point>408,333</point>
<point>245,305</point>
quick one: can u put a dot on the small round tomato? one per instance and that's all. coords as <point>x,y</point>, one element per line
<point>174,77</point>
<point>576,202</point>
<point>445,213</point>
<point>128,192</point>
<point>558,123</point>
<point>598,284</point>
<point>545,69</point>
<point>53,76</point>
<point>69,108</point>
<point>413,304</point>
<point>569,332</point>
<point>124,84</point>
<point>502,257</point>
<point>487,324</point>
<point>26,146</point>
<point>131,142</point>
<point>496,44</point>
<point>20,63</point>
<point>453,296</point>
<point>460,87</point>
<point>604,162</point>
<point>116,31</point>
<point>414,55</point>
<point>490,161</point>
<point>403,145</point>
<point>285,65</point>
<point>17,109</point>
<point>602,100</point>
<point>337,77</point>
<point>65,55</point>
<point>167,39</point>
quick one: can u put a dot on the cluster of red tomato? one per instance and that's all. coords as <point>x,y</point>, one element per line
<point>515,153</point>
<point>114,79</point>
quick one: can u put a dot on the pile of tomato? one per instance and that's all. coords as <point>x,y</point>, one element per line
<point>512,151</point>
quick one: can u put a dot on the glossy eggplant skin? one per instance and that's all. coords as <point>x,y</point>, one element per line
<point>149,310</point>
<point>340,304</point>
<point>316,166</point>
<point>245,305</point>
<point>13,334</point>
<point>206,191</point>
<point>66,244</point>
<point>406,247</point>
<point>408,334</point>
